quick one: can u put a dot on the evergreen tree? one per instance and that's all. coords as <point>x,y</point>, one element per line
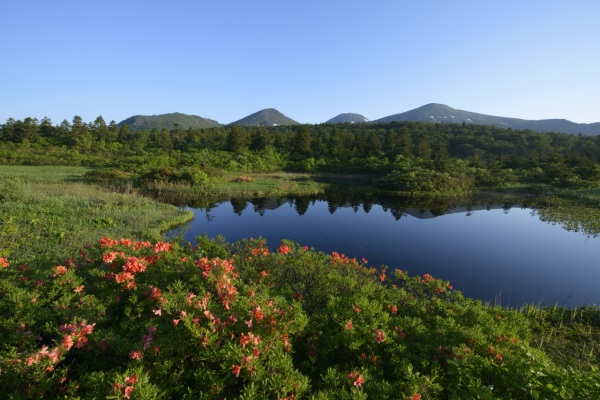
<point>424,148</point>
<point>405,142</point>
<point>238,139</point>
<point>301,143</point>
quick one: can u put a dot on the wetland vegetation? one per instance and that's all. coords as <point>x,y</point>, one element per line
<point>96,303</point>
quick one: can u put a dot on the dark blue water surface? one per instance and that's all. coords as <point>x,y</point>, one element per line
<point>505,255</point>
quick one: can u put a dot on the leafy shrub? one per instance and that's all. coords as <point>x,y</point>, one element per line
<point>146,320</point>
<point>108,174</point>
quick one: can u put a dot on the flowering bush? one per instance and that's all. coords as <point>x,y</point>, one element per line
<point>131,319</point>
<point>243,178</point>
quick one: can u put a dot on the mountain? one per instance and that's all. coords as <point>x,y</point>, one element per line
<point>143,122</point>
<point>347,118</point>
<point>443,114</point>
<point>266,117</point>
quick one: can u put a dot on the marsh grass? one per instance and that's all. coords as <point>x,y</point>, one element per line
<point>48,212</point>
<point>569,336</point>
<point>230,185</point>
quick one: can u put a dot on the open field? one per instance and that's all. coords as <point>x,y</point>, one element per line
<point>47,213</point>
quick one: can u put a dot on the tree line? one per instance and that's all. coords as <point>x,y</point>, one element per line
<point>406,156</point>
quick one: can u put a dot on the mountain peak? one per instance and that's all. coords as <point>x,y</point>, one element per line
<point>141,122</point>
<point>347,118</point>
<point>266,117</point>
<point>441,113</point>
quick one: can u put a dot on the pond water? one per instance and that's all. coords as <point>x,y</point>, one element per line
<point>501,253</point>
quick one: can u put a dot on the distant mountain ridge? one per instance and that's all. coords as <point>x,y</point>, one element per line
<point>433,112</point>
<point>266,117</point>
<point>146,122</point>
<point>441,113</point>
<point>347,118</point>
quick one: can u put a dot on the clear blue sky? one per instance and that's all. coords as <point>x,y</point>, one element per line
<point>310,59</point>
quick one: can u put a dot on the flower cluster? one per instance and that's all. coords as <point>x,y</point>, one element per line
<point>243,178</point>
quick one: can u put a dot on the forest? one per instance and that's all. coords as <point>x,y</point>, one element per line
<point>408,157</point>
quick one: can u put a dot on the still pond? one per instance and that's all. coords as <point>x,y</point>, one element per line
<point>501,253</point>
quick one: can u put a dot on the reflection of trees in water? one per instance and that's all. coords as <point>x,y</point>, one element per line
<point>367,206</point>
<point>301,204</point>
<point>398,207</point>
<point>576,218</point>
<point>259,205</point>
<point>239,205</point>
<point>207,215</point>
<point>397,214</point>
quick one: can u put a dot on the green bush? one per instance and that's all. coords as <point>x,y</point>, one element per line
<point>148,320</point>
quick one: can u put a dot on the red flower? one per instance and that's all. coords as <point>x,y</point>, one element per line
<point>60,270</point>
<point>349,325</point>
<point>160,246</point>
<point>136,355</point>
<point>284,249</point>
<point>379,336</point>
<point>128,391</point>
<point>358,379</point>
<point>131,379</point>
<point>258,313</point>
<point>235,369</point>
<point>415,396</point>
<point>4,262</point>
<point>67,341</point>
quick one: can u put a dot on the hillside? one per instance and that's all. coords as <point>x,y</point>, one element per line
<point>441,113</point>
<point>347,118</point>
<point>143,122</point>
<point>266,117</point>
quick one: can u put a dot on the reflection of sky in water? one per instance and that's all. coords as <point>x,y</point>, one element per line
<point>489,255</point>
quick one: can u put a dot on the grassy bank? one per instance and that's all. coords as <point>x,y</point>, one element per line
<point>47,213</point>
<point>229,184</point>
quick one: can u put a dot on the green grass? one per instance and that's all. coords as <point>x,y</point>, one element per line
<point>232,184</point>
<point>47,213</point>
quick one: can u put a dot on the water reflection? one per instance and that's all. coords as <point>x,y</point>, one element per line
<point>397,207</point>
<point>493,247</point>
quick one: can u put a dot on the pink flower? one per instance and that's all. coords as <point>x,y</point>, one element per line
<point>136,355</point>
